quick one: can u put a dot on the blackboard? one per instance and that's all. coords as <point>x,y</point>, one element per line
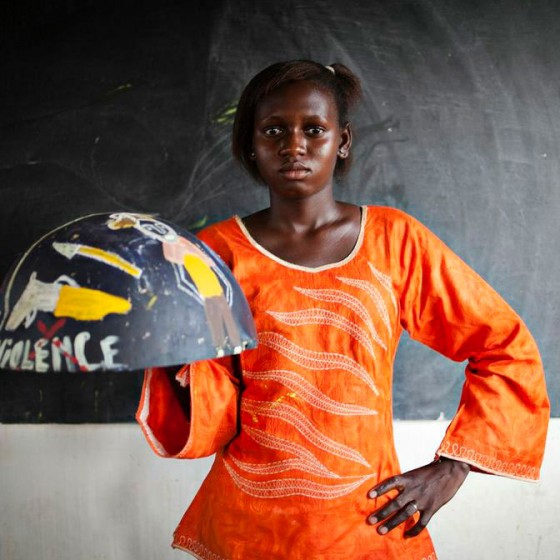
<point>127,106</point>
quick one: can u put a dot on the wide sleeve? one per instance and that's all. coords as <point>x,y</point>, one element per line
<point>501,423</point>
<point>204,420</point>
<point>203,427</point>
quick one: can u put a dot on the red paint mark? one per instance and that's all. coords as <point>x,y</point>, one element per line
<point>48,334</point>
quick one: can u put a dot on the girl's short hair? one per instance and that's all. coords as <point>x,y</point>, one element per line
<point>336,79</point>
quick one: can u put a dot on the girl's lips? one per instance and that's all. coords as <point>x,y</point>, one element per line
<point>294,174</point>
<point>294,171</point>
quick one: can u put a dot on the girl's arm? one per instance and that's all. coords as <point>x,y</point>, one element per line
<point>501,423</point>
<point>191,412</point>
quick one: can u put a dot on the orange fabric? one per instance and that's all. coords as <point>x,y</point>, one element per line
<point>313,429</point>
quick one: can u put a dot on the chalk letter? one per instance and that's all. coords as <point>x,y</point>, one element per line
<point>26,363</point>
<point>15,356</point>
<point>6,352</point>
<point>109,353</point>
<point>41,355</point>
<point>80,349</point>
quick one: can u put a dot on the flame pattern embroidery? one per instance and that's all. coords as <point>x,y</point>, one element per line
<point>309,393</point>
<point>277,467</point>
<point>313,464</point>
<point>315,360</point>
<point>385,281</point>
<point>332,295</point>
<point>302,459</point>
<point>377,298</point>
<point>284,487</point>
<point>317,316</point>
<point>304,426</point>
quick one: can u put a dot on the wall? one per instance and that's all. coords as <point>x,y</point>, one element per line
<point>95,492</point>
<point>124,106</point>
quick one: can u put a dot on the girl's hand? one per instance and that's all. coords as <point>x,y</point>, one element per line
<point>423,490</point>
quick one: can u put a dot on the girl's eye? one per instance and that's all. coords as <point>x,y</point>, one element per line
<point>272,131</point>
<point>315,130</point>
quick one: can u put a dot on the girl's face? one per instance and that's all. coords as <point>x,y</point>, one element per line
<point>297,140</point>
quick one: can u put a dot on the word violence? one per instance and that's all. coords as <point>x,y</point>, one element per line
<point>64,354</point>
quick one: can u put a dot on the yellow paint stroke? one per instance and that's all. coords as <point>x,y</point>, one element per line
<point>69,250</point>
<point>85,304</point>
<point>203,277</point>
<point>152,302</point>
<point>111,259</point>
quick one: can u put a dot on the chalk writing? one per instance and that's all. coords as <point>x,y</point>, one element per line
<point>59,354</point>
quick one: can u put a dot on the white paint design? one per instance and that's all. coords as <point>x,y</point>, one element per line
<point>313,465</point>
<point>61,348</point>
<point>304,426</point>
<point>340,297</point>
<point>165,234</point>
<point>284,487</point>
<point>316,316</point>
<point>374,294</point>
<point>309,393</point>
<point>315,360</point>
<point>109,352</point>
<point>44,355</point>
<point>70,250</point>
<point>385,281</point>
<point>37,296</point>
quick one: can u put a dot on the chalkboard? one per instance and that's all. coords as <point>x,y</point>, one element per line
<point>127,106</point>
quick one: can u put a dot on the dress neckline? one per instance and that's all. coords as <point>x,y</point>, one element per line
<point>288,264</point>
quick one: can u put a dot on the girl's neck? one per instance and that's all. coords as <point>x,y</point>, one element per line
<point>303,214</point>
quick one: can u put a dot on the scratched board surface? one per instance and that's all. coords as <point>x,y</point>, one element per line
<point>128,108</point>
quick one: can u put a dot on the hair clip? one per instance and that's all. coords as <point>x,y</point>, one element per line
<point>331,69</point>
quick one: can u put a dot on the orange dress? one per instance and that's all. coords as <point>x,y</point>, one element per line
<point>307,431</point>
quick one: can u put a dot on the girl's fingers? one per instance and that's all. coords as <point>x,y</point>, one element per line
<point>389,484</point>
<point>402,515</point>
<point>388,509</point>
<point>420,525</point>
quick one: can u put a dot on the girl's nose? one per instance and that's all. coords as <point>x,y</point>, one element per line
<point>293,144</point>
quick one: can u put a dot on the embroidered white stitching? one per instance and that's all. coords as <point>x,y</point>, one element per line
<point>276,467</point>
<point>304,426</point>
<point>315,360</point>
<point>339,296</point>
<point>325,317</point>
<point>275,442</point>
<point>386,282</point>
<point>487,462</point>
<point>284,487</point>
<point>377,298</point>
<point>309,392</point>
<point>197,549</point>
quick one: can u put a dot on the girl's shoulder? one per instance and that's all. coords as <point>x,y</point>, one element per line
<point>219,236</point>
<point>217,229</point>
<point>387,216</point>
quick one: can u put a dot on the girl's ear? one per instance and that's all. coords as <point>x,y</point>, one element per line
<point>345,141</point>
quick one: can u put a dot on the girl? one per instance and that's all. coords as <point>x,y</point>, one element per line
<point>305,466</point>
